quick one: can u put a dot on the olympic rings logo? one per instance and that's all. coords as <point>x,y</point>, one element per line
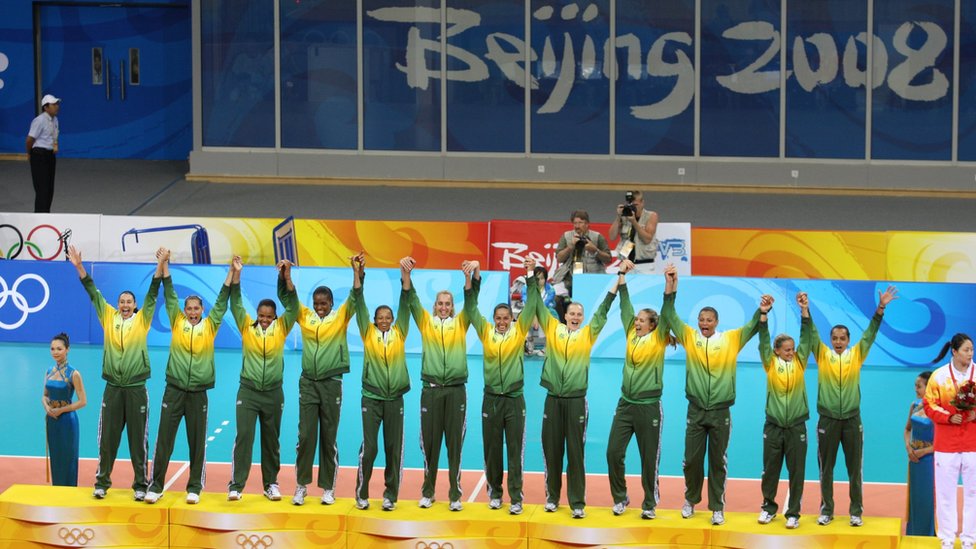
<point>434,545</point>
<point>30,244</point>
<point>76,536</point>
<point>254,541</point>
<point>20,302</point>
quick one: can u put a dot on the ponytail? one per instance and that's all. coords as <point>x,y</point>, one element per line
<point>955,343</point>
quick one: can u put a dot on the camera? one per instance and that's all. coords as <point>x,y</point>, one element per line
<point>628,209</point>
<point>582,240</point>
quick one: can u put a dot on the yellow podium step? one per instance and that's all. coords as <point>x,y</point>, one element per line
<point>601,528</point>
<point>256,523</point>
<point>409,526</point>
<point>53,516</point>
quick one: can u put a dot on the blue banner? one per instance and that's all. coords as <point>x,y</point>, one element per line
<point>967,81</point>
<point>39,299</point>
<point>915,326</point>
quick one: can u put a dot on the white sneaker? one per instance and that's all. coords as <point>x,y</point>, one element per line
<point>272,492</point>
<point>328,497</point>
<point>766,518</point>
<point>824,520</point>
<point>687,510</point>
<point>792,522</point>
<point>515,509</point>
<point>362,504</point>
<point>718,518</point>
<point>388,505</point>
<point>456,506</point>
<point>139,495</point>
<point>151,497</point>
<point>233,495</point>
<point>98,493</point>
<point>619,508</point>
<point>551,507</point>
<point>495,504</point>
<point>425,503</point>
<point>578,514</point>
<point>300,492</point>
<point>192,498</point>
<point>648,514</point>
<point>856,521</point>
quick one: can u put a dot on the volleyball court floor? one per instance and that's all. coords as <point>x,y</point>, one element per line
<point>886,393</point>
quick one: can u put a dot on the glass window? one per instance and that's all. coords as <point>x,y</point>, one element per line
<point>570,89</point>
<point>740,78</point>
<point>238,73</point>
<point>655,109</point>
<point>825,91</point>
<point>967,82</point>
<point>318,75</point>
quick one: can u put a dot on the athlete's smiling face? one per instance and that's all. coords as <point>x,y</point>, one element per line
<point>127,304</point>
<point>707,322</point>
<point>266,315</point>
<point>193,310</point>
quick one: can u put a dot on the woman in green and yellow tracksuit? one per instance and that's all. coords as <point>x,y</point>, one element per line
<point>325,358</point>
<point>189,374</point>
<point>260,397</point>
<point>710,388</point>
<point>565,375</point>
<point>503,406</point>
<point>125,369</point>
<point>839,405</point>
<point>785,431</point>
<point>639,408</point>
<point>443,400</point>
<point>385,381</point>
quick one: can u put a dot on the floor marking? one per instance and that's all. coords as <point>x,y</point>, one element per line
<point>477,489</point>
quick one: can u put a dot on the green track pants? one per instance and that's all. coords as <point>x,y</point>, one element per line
<point>123,408</point>
<point>389,414</point>
<point>779,444</point>
<point>832,433</point>
<point>253,407</point>
<point>644,422</point>
<point>503,424</point>
<point>179,405</point>
<point>564,431</point>
<point>442,417</point>
<point>706,430</point>
<point>319,403</point>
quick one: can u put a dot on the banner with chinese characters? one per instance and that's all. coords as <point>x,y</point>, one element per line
<point>514,241</point>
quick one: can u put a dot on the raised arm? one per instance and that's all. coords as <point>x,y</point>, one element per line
<point>149,303</point>
<point>241,317</point>
<point>169,292</point>
<point>668,313</point>
<point>74,256</point>
<point>871,332</point>
<point>765,349</point>
<point>533,298</point>
<point>287,295</point>
<point>752,326</point>
<point>416,309</point>
<point>219,308</point>
<point>599,319</point>
<point>358,264</point>
<point>807,339</point>
<point>626,307</point>
<point>472,287</point>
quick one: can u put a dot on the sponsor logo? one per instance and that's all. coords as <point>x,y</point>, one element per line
<point>76,536</point>
<point>254,541</point>
<point>19,300</point>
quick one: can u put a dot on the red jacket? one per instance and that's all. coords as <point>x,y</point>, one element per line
<point>939,393</point>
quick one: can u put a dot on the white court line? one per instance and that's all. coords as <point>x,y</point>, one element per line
<point>477,489</point>
<point>186,465</point>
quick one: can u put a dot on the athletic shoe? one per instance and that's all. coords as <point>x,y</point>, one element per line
<point>139,495</point>
<point>328,497</point>
<point>300,492</point>
<point>192,498</point>
<point>425,502</point>
<point>456,506</point>
<point>495,503</point>
<point>619,508</point>
<point>718,518</point>
<point>151,497</point>
<point>856,521</point>
<point>551,507</point>
<point>362,504</point>
<point>648,514</point>
<point>272,492</point>
<point>233,495</point>
<point>388,505</point>
<point>578,513</point>
<point>766,517</point>
<point>515,509</point>
<point>967,545</point>
<point>687,510</point>
<point>99,493</point>
<point>792,522</point>
<point>824,520</point>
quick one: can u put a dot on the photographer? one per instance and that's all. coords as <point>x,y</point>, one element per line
<point>636,228</point>
<point>580,250</point>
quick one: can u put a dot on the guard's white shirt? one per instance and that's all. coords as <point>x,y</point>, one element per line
<point>44,130</point>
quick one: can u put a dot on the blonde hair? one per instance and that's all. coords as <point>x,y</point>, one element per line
<point>439,294</point>
<point>780,340</point>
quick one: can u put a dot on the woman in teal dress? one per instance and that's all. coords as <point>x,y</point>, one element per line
<point>919,434</point>
<point>60,384</point>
